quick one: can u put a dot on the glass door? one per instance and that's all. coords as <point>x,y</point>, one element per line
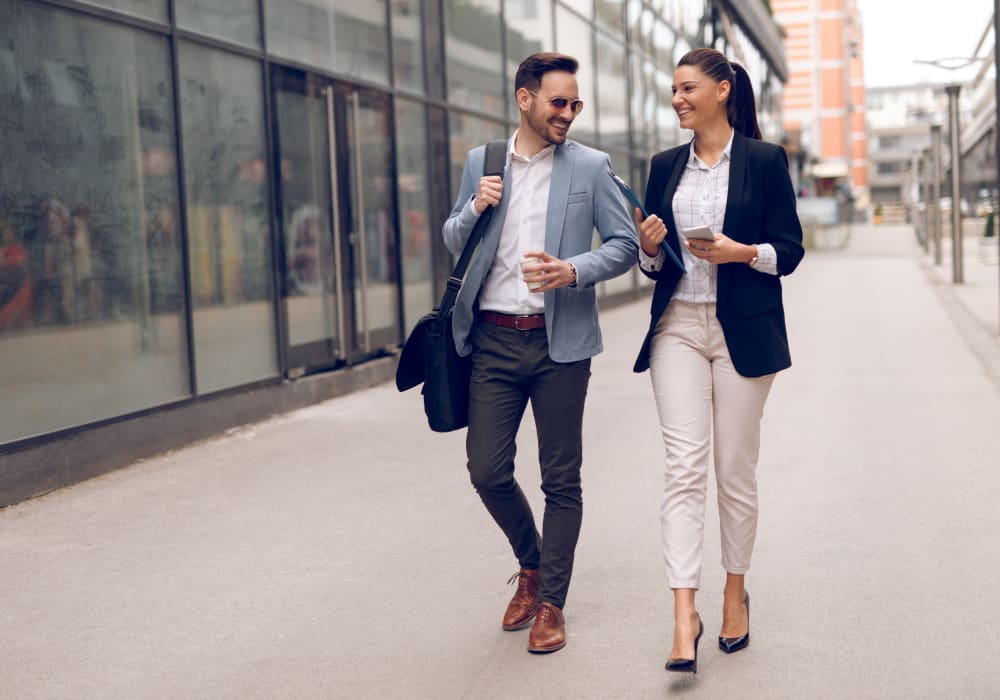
<point>368,216</point>
<point>337,209</point>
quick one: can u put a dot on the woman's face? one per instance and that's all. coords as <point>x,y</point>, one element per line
<point>698,99</point>
<point>58,226</point>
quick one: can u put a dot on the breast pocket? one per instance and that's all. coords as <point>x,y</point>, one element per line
<point>578,198</point>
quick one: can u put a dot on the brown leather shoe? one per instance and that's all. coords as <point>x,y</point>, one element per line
<point>522,607</point>
<point>549,632</point>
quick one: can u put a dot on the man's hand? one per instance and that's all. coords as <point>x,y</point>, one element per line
<point>488,194</point>
<point>652,231</point>
<point>552,272</point>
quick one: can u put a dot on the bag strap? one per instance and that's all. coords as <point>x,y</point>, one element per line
<point>494,162</point>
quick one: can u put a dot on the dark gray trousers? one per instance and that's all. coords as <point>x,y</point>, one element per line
<point>509,369</point>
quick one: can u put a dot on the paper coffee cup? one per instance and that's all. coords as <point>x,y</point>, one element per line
<point>529,260</point>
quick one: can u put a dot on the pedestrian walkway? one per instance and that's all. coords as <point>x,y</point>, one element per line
<point>340,552</point>
<point>975,303</point>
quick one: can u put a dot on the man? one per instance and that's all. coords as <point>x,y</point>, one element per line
<point>535,344</point>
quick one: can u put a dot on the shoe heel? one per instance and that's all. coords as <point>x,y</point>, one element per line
<point>688,665</point>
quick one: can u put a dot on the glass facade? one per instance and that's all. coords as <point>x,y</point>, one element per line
<point>92,320</point>
<point>255,191</point>
<point>228,224</point>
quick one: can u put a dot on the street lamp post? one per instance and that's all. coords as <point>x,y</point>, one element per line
<point>996,125</point>
<point>957,275</point>
<point>925,189</point>
<point>936,189</point>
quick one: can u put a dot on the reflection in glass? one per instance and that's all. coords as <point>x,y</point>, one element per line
<point>222,111</point>
<point>668,130</point>
<point>349,37</point>
<point>465,133</point>
<point>91,310</point>
<point>620,163</point>
<point>374,260</point>
<point>306,204</point>
<point>235,20</point>
<point>474,59</point>
<point>150,9</point>
<point>663,46</point>
<point>584,7</point>
<point>611,14</point>
<point>414,210</point>
<point>407,45</point>
<point>574,37</point>
<point>612,76</point>
<point>640,127</point>
<point>644,35</point>
<point>529,30</point>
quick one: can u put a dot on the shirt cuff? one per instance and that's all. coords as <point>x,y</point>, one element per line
<point>651,263</point>
<point>767,259</point>
<point>469,215</point>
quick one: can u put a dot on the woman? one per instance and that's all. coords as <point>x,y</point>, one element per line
<point>717,336</point>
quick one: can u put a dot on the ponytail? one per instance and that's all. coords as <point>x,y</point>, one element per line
<point>741,107</point>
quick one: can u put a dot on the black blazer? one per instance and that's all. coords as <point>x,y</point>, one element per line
<point>760,209</point>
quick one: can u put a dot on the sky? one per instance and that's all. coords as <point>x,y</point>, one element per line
<point>897,33</point>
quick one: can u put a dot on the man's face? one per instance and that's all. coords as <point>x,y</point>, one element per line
<point>548,122</point>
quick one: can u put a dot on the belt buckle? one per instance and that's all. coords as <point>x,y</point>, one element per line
<point>516,326</point>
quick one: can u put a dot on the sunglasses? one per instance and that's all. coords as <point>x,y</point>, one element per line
<point>561,103</point>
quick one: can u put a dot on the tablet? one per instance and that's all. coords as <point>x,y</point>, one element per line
<point>629,194</point>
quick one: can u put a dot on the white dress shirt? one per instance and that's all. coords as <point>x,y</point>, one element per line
<point>527,193</point>
<point>700,200</point>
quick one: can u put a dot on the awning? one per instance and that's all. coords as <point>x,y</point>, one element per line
<point>828,168</point>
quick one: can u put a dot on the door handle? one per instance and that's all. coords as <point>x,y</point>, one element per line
<point>359,222</point>
<point>338,265</point>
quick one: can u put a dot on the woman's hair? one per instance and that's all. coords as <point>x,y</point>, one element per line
<point>741,108</point>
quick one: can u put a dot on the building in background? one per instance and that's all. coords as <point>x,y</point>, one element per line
<point>979,128</point>
<point>211,212</point>
<point>899,122</point>
<point>899,128</point>
<point>824,102</point>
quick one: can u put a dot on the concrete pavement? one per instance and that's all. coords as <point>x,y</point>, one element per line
<point>340,552</point>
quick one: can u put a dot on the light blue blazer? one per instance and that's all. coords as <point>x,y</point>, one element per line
<point>582,197</point>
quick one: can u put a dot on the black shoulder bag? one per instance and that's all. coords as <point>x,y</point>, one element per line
<point>429,355</point>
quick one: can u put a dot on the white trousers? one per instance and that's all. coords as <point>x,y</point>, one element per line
<point>702,399</point>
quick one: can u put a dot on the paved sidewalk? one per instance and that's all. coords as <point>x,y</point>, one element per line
<point>975,304</point>
<point>340,552</point>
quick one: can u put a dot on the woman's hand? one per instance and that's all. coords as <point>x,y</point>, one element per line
<point>723,250</point>
<point>652,231</point>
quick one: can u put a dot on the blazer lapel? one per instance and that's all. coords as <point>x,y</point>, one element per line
<point>673,243</point>
<point>562,175</point>
<point>737,173</point>
<point>734,202</point>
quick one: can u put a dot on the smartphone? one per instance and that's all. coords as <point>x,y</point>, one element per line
<point>702,232</point>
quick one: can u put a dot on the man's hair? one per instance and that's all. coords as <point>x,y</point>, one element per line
<point>531,70</point>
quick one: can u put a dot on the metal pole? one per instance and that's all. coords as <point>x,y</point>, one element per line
<point>996,126</point>
<point>925,182</point>
<point>956,185</point>
<point>936,189</point>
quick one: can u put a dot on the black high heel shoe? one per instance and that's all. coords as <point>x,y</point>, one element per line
<point>734,644</point>
<point>687,665</point>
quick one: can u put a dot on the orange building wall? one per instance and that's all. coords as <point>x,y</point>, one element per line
<point>834,134</point>
<point>831,39</point>
<point>825,90</point>
<point>832,89</point>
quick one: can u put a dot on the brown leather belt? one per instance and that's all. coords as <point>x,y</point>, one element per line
<point>521,323</point>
